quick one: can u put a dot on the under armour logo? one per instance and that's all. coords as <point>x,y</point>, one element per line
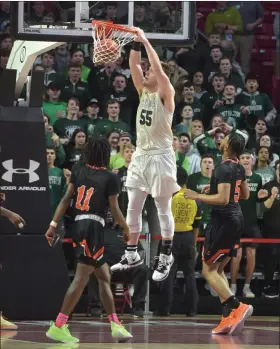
<point>8,176</point>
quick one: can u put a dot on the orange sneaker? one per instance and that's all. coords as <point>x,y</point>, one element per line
<point>6,325</point>
<point>239,316</point>
<point>224,326</point>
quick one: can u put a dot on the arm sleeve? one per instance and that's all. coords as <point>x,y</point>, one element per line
<point>113,187</point>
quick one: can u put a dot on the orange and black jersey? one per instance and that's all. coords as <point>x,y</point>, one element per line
<point>231,172</point>
<point>93,188</point>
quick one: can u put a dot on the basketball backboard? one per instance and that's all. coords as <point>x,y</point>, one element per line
<point>168,23</point>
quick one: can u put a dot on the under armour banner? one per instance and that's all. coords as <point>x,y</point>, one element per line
<point>23,169</point>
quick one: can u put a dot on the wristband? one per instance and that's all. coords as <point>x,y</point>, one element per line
<point>53,224</point>
<point>136,46</point>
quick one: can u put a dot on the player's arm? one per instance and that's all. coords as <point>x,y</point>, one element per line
<point>60,211</point>
<point>135,67</point>
<point>13,217</point>
<point>166,89</point>
<point>221,198</point>
<point>244,190</point>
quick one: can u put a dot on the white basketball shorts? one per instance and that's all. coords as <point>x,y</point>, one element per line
<point>153,171</point>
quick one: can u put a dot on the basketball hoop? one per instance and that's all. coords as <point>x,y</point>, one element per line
<point>108,40</point>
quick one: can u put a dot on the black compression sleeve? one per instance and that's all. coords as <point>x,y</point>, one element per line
<point>136,46</point>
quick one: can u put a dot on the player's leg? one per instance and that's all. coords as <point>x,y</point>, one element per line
<point>58,330</point>
<point>250,268</point>
<point>131,258</point>
<point>234,269</point>
<point>104,284</point>
<point>166,221</point>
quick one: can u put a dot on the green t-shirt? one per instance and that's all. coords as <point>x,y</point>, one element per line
<point>182,161</point>
<point>259,105</point>
<point>267,174</point>
<point>57,186</point>
<point>196,182</point>
<point>64,128</point>
<point>116,161</point>
<point>105,126</point>
<point>249,207</point>
<point>232,111</point>
<point>206,145</point>
<point>50,109</point>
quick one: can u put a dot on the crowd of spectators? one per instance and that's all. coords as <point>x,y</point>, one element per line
<point>216,93</point>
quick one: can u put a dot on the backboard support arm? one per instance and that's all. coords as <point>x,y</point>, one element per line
<point>23,56</point>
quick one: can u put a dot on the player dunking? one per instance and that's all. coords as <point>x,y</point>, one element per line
<point>228,184</point>
<point>95,189</point>
<point>153,167</point>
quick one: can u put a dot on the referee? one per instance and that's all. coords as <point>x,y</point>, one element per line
<point>187,215</point>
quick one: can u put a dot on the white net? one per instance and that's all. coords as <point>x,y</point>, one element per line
<point>108,42</point>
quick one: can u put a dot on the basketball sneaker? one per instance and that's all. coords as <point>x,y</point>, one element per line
<point>163,267</point>
<point>119,333</point>
<point>224,326</point>
<point>6,325</point>
<point>61,334</point>
<point>239,316</point>
<point>128,260</point>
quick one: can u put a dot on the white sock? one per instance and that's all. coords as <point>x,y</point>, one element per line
<point>246,287</point>
<point>233,287</point>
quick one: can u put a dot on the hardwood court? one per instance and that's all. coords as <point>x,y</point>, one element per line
<point>175,332</point>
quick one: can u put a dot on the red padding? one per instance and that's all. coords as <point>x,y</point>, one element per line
<point>158,237</point>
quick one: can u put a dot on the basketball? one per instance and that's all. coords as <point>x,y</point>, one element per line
<point>106,51</point>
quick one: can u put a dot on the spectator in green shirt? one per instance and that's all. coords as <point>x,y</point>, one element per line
<point>78,58</point>
<point>224,20</point>
<point>64,128</point>
<point>117,160</point>
<point>56,180</point>
<point>187,116</point>
<point>53,106</point>
<point>103,127</point>
<point>53,142</point>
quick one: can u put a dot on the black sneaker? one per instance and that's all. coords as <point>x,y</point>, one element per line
<point>268,292</point>
<point>96,312</point>
<point>191,314</point>
<point>160,313</point>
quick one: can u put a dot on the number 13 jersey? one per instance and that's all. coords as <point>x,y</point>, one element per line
<point>233,173</point>
<point>153,123</point>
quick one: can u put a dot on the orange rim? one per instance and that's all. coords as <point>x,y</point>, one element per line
<point>111,25</point>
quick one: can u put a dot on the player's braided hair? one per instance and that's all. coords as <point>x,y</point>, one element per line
<point>236,144</point>
<point>97,152</point>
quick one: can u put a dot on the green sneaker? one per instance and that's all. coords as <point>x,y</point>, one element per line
<point>61,334</point>
<point>119,333</point>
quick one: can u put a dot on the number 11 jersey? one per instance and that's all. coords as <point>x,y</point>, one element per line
<point>233,173</point>
<point>153,123</point>
<point>93,188</point>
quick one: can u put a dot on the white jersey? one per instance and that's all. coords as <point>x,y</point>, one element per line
<point>153,123</point>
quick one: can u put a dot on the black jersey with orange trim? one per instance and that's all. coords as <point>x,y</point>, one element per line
<point>233,173</point>
<point>93,188</point>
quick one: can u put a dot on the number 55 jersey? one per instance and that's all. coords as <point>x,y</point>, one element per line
<point>153,166</point>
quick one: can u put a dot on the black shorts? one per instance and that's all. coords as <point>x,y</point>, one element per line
<point>222,238</point>
<point>251,231</point>
<point>88,240</point>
